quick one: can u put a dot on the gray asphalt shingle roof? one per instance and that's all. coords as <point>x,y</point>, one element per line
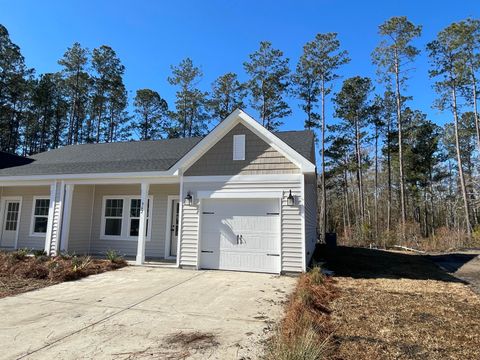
<point>133,156</point>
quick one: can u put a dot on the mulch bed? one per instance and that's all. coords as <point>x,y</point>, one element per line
<point>20,272</point>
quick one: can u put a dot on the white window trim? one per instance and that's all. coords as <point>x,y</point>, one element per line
<point>32,220</point>
<point>125,231</point>
<point>239,154</point>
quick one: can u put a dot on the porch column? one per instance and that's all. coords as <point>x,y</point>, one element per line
<point>50,219</point>
<point>67,209</point>
<point>143,224</point>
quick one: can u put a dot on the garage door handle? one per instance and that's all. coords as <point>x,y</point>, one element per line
<point>207,251</point>
<point>273,254</point>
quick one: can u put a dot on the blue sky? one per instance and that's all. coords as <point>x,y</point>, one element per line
<point>149,35</point>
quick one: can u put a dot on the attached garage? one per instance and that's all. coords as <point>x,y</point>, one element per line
<point>241,234</point>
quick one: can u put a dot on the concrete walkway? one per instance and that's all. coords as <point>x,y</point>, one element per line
<point>145,313</point>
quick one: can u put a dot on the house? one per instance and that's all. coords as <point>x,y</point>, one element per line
<point>241,198</point>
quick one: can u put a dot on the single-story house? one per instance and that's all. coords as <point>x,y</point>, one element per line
<point>241,198</point>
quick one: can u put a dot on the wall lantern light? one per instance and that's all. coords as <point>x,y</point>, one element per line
<point>188,199</point>
<point>290,199</point>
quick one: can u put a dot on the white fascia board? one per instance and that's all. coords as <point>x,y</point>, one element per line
<point>238,116</point>
<point>273,178</point>
<point>131,177</point>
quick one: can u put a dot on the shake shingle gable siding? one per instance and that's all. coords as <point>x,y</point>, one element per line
<point>133,156</point>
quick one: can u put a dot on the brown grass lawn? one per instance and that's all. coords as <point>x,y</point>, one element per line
<point>20,272</point>
<point>399,306</point>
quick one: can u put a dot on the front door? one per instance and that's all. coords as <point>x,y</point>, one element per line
<point>11,216</point>
<point>174,227</point>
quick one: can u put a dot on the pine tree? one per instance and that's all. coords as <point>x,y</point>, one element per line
<point>77,83</point>
<point>352,104</point>
<point>316,70</point>
<point>15,84</point>
<point>268,84</point>
<point>391,57</point>
<point>448,68</point>
<point>191,103</point>
<point>150,111</point>
<point>228,94</point>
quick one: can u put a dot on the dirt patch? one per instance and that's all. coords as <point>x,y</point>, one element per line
<point>180,345</point>
<point>20,272</point>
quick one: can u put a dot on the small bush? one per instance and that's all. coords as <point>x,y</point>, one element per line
<point>20,254</point>
<point>39,253</point>
<point>113,256</point>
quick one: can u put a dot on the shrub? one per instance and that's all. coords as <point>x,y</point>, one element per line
<point>113,256</point>
<point>20,254</point>
<point>39,253</point>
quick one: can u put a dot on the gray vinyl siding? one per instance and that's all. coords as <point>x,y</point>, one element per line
<point>291,221</point>
<point>80,219</point>
<point>27,193</point>
<point>260,158</point>
<point>311,220</point>
<point>155,247</point>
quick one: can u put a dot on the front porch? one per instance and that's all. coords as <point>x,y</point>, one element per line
<point>138,220</point>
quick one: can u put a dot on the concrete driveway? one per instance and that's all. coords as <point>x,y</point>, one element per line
<point>145,313</point>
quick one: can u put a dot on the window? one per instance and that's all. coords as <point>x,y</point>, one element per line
<point>121,217</point>
<point>11,220</point>
<point>113,217</point>
<point>40,215</point>
<point>135,207</point>
<point>238,147</point>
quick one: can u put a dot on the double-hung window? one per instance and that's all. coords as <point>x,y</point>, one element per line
<point>121,217</point>
<point>40,209</point>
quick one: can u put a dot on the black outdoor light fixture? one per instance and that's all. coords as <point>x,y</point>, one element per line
<point>290,199</point>
<point>188,199</point>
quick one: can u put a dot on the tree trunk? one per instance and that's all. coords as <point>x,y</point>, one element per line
<point>376,184</point>
<point>400,145</point>
<point>389,178</point>
<point>475,110</point>
<point>459,161</point>
<point>359,172</point>
<point>324,190</point>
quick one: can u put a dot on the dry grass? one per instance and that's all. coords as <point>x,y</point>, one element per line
<point>400,306</point>
<point>21,273</point>
<point>406,319</point>
<point>306,329</point>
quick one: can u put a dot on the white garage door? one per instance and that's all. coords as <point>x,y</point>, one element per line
<point>240,234</point>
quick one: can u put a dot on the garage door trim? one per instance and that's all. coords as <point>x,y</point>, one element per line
<point>202,195</point>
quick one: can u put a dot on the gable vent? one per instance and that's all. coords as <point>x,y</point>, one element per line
<point>238,147</point>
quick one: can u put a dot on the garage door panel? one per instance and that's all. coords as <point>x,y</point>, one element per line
<point>241,234</point>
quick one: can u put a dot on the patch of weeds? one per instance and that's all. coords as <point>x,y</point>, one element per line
<point>303,347</point>
<point>316,276</point>
<point>20,254</point>
<point>113,256</point>
<point>39,253</point>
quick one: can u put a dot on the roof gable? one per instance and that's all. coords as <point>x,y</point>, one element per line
<point>236,117</point>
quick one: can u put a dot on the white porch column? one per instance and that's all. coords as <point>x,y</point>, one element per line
<point>51,210</point>
<point>67,209</point>
<point>143,224</point>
